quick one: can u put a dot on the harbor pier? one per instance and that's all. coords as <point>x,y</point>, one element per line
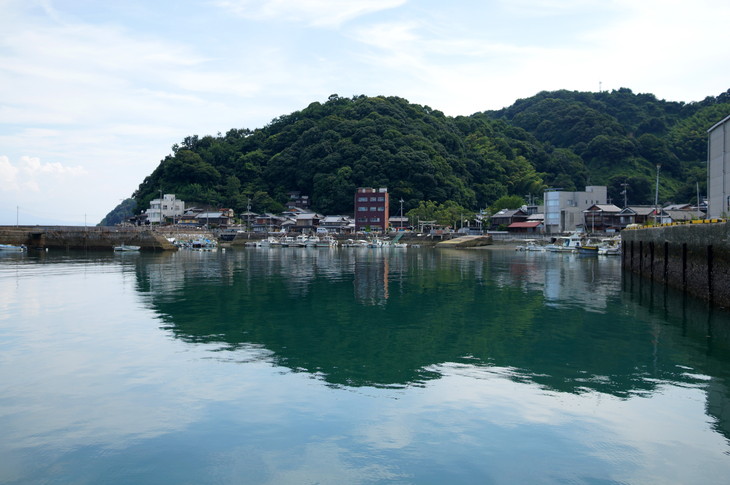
<point>694,258</point>
<point>84,237</point>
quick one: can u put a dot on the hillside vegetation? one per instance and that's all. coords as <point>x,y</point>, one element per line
<point>560,139</point>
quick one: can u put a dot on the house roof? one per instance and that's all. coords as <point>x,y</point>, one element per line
<point>678,207</point>
<point>641,210</point>
<point>604,208</point>
<point>510,213</point>
<point>684,215</point>
<point>334,219</point>
<point>524,225</point>
<point>211,215</point>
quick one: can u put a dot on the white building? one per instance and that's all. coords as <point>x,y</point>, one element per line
<point>564,210</point>
<point>168,207</point>
<point>718,169</point>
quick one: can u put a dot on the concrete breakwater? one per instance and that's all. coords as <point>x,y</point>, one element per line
<point>88,238</point>
<point>694,258</point>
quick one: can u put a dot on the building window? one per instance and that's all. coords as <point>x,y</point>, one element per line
<point>373,199</point>
<point>373,209</point>
<point>381,199</point>
<point>362,199</point>
<point>362,209</point>
<point>375,219</point>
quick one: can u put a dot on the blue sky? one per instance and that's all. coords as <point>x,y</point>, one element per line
<point>94,93</point>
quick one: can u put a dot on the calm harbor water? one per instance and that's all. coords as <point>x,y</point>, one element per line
<point>304,366</point>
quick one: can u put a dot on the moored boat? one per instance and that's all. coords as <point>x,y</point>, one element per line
<point>610,247</point>
<point>126,247</point>
<point>566,244</point>
<point>13,248</point>
<point>530,245</point>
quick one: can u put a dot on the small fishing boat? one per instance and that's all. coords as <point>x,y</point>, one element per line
<point>126,247</point>
<point>327,242</point>
<point>610,247</point>
<point>566,244</point>
<point>530,245</point>
<point>13,248</point>
<point>588,249</point>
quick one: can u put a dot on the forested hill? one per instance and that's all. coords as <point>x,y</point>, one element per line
<point>561,139</point>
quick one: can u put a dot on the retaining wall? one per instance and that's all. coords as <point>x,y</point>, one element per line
<point>694,258</point>
<point>90,238</point>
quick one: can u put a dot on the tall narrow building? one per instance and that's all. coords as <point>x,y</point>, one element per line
<point>372,209</point>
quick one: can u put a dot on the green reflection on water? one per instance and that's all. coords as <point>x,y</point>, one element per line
<point>386,318</point>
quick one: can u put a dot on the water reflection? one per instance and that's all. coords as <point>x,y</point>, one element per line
<point>703,331</point>
<point>355,367</point>
<point>386,318</point>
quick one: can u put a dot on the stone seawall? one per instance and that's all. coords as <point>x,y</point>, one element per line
<point>88,238</point>
<point>694,258</point>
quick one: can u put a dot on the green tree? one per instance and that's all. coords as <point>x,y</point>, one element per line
<point>507,202</point>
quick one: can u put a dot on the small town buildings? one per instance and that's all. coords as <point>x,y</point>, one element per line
<point>507,217</point>
<point>718,169</point>
<point>195,217</point>
<point>683,215</point>
<point>398,223</point>
<point>263,223</point>
<point>564,210</point>
<point>306,222</point>
<point>526,227</point>
<point>336,224</point>
<point>215,218</point>
<point>636,214</point>
<point>166,209</point>
<point>372,209</point>
<point>297,200</point>
<point>602,218</point>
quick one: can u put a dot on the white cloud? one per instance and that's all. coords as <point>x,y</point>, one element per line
<point>31,174</point>
<point>110,88</point>
<point>8,175</point>
<point>320,13</point>
<point>541,8</point>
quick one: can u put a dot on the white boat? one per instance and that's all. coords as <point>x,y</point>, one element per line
<point>566,244</point>
<point>287,241</point>
<point>327,242</point>
<point>300,241</point>
<point>311,241</point>
<point>377,242</point>
<point>610,247</point>
<point>126,247</point>
<point>13,248</point>
<point>269,242</point>
<point>530,245</point>
<point>355,243</point>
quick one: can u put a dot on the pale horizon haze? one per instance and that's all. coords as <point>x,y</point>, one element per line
<point>93,94</point>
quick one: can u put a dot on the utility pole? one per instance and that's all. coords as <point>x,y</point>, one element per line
<point>401,212</point>
<point>656,193</point>
<point>625,185</point>
<point>248,214</point>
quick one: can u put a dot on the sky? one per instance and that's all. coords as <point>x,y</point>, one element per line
<point>93,94</point>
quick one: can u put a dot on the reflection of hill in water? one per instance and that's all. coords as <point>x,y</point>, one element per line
<point>379,318</point>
